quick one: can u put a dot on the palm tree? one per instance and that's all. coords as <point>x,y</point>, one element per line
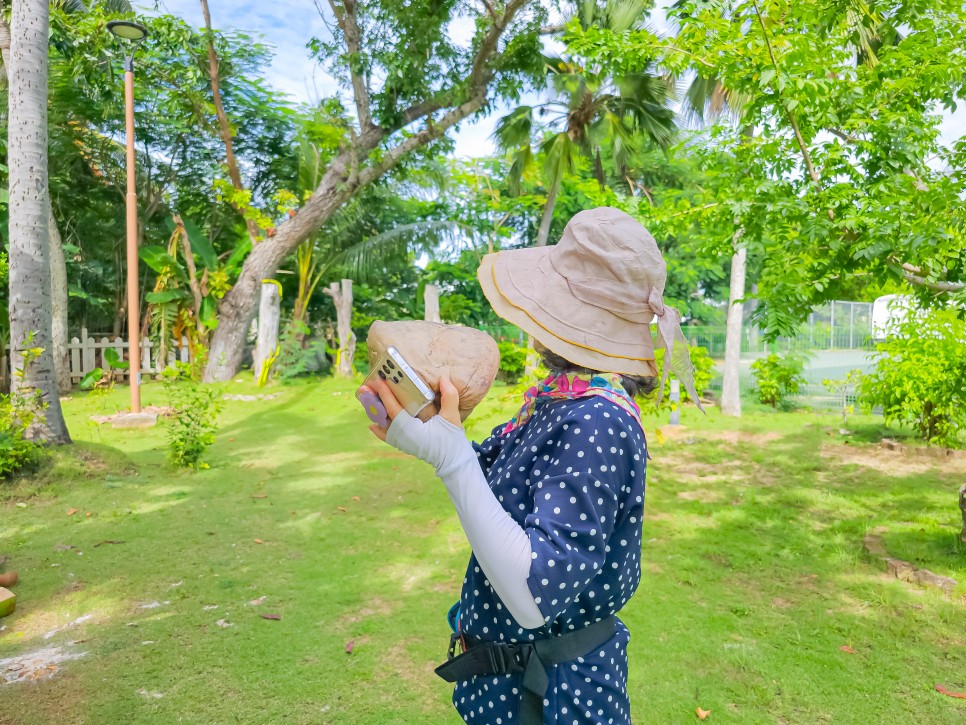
<point>588,112</point>
<point>58,266</point>
<point>30,295</point>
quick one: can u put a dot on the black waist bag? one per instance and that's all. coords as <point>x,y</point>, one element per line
<point>529,658</point>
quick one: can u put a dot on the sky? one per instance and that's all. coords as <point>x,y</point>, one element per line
<point>288,25</point>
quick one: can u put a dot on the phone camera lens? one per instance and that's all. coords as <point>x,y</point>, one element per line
<point>382,375</point>
<point>395,380</point>
<point>391,364</point>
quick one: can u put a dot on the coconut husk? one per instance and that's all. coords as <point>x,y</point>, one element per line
<point>468,356</point>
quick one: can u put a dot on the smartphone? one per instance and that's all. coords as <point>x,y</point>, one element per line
<point>410,389</point>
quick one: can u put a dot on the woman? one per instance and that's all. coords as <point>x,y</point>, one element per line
<point>552,502</point>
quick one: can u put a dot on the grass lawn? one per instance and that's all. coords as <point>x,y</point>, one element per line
<point>754,576</point>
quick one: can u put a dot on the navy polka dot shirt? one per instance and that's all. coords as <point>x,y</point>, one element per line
<point>573,477</point>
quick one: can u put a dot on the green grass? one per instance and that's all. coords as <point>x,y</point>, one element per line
<point>754,573</point>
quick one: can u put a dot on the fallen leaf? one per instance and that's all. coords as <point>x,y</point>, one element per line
<point>949,693</point>
<point>349,645</point>
<point>259,495</point>
<point>231,440</point>
<point>223,623</point>
<point>71,512</point>
<point>702,714</point>
<point>109,541</point>
<point>259,541</point>
<point>848,650</point>
<point>256,602</point>
<point>64,547</point>
<point>88,514</point>
<point>272,616</point>
<point>356,498</point>
<point>343,509</point>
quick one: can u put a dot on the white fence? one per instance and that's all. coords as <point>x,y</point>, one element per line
<point>87,353</point>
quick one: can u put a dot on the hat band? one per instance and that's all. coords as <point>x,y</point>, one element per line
<point>537,322</point>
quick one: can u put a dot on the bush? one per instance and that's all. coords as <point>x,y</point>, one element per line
<point>777,377</point>
<point>703,373</point>
<point>300,355</point>
<point>513,362</point>
<point>192,429</point>
<point>17,452</point>
<point>919,374</point>
<point>17,414</point>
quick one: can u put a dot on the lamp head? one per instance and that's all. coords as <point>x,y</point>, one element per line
<point>126,30</point>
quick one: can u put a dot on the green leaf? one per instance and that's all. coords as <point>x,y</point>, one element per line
<point>113,359</point>
<point>158,259</point>
<point>209,312</point>
<point>91,379</point>
<point>200,245</point>
<point>167,295</point>
<point>766,76</point>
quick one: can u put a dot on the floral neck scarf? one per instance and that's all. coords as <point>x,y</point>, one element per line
<point>606,385</point>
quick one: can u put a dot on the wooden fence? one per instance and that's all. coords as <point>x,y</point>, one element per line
<point>87,353</point>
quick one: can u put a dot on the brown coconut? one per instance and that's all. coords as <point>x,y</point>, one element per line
<point>469,357</point>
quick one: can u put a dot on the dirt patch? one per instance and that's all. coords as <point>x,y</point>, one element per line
<point>781,603</point>
<point>398,666</point>
<point>891,463</point>
<point>703,495</point>
<point>41,664</point>
<point>375,608</point>
<point>705,472</point>
<point>742,436</point>
<point>159,410</point>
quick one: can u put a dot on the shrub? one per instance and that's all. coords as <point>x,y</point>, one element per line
<point>192,429</point>
<point>513,362</point>
<point>299,355</point>
<point>18,411</point>
<point>703,373</point>
<point>777,377</point>
<point>918,376</point>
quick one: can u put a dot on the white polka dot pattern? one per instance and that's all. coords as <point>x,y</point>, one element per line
<point>573,477</point>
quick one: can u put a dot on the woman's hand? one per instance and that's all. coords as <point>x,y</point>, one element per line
<point>449,407</point>
<point>440,441</point>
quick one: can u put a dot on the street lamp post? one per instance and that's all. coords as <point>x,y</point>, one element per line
<point>133,35</point>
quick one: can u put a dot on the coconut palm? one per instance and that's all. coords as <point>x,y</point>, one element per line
<point>29,245</point>
<point>588,112</point>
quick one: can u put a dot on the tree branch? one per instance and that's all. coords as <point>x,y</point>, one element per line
<point>349,25</point>
<point>941,286</point>
<point>791,116</point>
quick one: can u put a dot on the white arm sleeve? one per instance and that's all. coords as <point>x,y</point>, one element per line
<point>501,546</point>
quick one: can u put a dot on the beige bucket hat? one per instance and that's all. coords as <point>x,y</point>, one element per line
<point>591,297</point>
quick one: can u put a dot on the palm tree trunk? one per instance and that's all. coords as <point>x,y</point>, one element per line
<point>30,296</point>
<point>544,232</point>
<point>58,295</point>
<point>730,389</point>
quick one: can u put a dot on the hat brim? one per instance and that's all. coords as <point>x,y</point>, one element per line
<point>524,289</point>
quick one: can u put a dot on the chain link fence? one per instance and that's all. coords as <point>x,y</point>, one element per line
<point>835,339</point>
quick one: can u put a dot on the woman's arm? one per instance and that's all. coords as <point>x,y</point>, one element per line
<point>500,545</point>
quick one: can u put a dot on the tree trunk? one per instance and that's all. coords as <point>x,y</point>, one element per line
<point>431,298</point>
<point>730,388</point>
<point>58,294</point>
<point>544,232</point>
<point>58,265</point>
<point>347,338</point>
<point>29,242</point>
<point>269,314</point>
<point>237,308</point>
<point>345,176</point>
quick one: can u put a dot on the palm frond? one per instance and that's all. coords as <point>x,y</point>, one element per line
<point>363,260</point>
<point>514,129</point>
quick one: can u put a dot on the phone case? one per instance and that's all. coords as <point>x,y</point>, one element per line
<point>410,390</point>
